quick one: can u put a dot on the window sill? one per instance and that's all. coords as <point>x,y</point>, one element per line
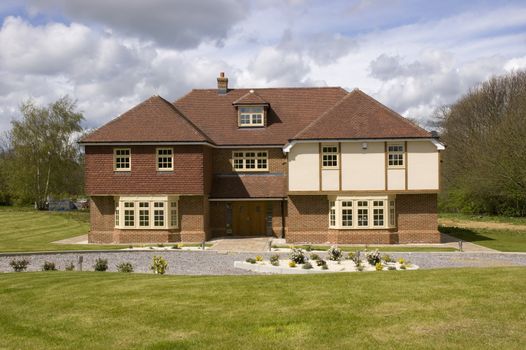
<point>146,228</point>
<point>361,228</point>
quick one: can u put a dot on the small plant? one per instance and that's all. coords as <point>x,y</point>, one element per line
<point>298,256</point>
<point>308,248</point>
<point>100,265</point>
<point>259,258</point>
<point>160,245</point>
<point>151,247</point>
<point>324,267</point>
<point>334,253</point>
<point>292,263</point>
<point>351,256</point>
<point>274,260</point>
<point>379,266</point>
<point>359,268</point>
<point>130,247</point>
<point>19,265</point>
<point>314,256</point>
<point>307,266</point>
<point>70,267</point>
<point>159,265</point>
<point>176,246</point>
<point>403,267</point>
<point>251,260</point>
<point>49,266</point>
<point>125,267</point>
<point>391,268</point>
<point>321,263</point>
<point>386,258</point>
<point>181,245</point>
<point>373,257</point>
<point>401,261</point>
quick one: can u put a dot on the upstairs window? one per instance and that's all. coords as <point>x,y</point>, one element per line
<point>121,159</point>
<point>250,160</point>
<point>165,159</point>
<point>395,154</point>
<point>329,157</point>
<point>251,116</point>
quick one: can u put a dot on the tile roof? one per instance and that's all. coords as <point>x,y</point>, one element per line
<point>291,110</point>
<point>152,120</point>
<point>249,186</point>
<point>250,98</point>
<point>358,116</point>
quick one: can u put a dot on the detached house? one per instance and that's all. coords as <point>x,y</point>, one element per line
<point>307,164</point>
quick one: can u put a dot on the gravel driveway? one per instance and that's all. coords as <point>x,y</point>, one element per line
<point>218,263</point>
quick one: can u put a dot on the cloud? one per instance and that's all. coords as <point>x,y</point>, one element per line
<point>180,24</point>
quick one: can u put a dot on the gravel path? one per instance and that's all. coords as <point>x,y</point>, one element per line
<point>216,263</point>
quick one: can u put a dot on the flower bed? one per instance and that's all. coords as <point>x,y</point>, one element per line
<point>300,263</point>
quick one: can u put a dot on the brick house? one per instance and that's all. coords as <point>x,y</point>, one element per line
<point>307,164</point>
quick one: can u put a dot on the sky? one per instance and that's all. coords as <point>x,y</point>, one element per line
<point>413,56</point>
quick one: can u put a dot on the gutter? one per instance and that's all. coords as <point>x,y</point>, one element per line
<point>440,146</point>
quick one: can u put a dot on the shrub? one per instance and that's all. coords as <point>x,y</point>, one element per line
<point>379,266</point>
<point>298,256</point>
<point>334,253</point>
<point>314,256</point>
<point>130,247</point>
<point>386,258</point>
<point>125,267</point>
<point>359,268</point>
<point>403,267</point>
<point>391,268</point>
<point>160,245</point>
<point>259,258</point>
<point>49,266</point>
<point>351,256</point>
<point>373,257</point>
<point>251,260</point>
<point>159,265</point>
<point>321,262</point>
<point>274,259</point>
<point>176,246</point>
<point>19,265</point>
<point>307,266</point>
<point>101,265</point>
<point>308,248</point>
<point>292,263</point>
<point>70,267</point>
<point>324,267</point>
<point>401,261</point>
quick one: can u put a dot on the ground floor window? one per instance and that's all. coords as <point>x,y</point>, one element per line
<point>146,212</point>
<point>362,212</point>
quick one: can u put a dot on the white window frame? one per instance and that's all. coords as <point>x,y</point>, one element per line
<point>115,157</point>
<point>399,153</point>
<point>326,153</point>
<point>337,204</point>
<point>160,158</point>
<point>168,221</point>
<point>242,157</point>
<point>251,116</point>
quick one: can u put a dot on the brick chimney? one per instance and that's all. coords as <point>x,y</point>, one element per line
<point>222,84</point>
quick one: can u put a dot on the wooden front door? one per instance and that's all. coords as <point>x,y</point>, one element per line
<point>248,218</point>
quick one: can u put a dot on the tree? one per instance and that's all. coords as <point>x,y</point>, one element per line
<point>44,155</point>
<point>484,165</point>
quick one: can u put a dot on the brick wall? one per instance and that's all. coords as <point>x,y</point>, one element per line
<point>193,219</point>
<point>307,221</point>
<point>187,177</point>
<point>222,164</point>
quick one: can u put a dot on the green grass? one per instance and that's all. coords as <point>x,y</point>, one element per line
<point>26,230</point>
<point>503,240</point>
<point>484,218</point>
<point>384,248</point>
<point>434,309</point>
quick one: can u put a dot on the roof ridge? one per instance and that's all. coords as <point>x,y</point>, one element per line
<point>396,114</point>
<point>322,115</point>
<point>274,88</point>
<point>181,114</point>
<point>118,117</point>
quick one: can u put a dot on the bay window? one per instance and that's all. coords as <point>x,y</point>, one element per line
<point>146,212</point>
<point>362,212</point>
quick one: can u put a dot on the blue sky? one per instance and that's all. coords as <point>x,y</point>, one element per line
<point>413,56</point>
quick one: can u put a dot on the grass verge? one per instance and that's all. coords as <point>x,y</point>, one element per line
<point>383,248</point>
<point>503,240</point>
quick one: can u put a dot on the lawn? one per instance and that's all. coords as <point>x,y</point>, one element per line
<point>483,218</point>
<point>25,229</point>
<point>503,240</point>
<point>456,308</point>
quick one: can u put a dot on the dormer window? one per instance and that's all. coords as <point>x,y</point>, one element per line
<point>251,116</point>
